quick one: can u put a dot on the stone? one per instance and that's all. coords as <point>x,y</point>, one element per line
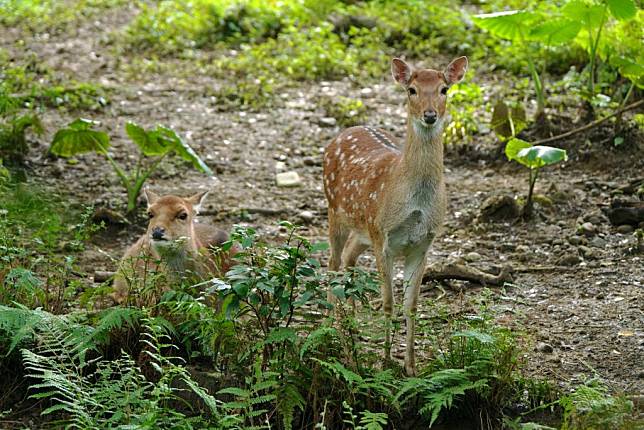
<point>625,229</point>
<point>577,240</point>
<point>499,209</point>
<point>311,161</point>
<point>523,249</point>
<point>472,256</point>
<point>327,121</point>
<point>568,260</point>
<point>306,216</point>
<point>588,229</point>
<point>598,242</point>
<point>544,348</point>
<point>288,179</point>
<point>586,251</point>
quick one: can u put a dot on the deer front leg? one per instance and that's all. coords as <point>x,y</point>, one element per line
<point>385,263</point>
<point>414,269</point>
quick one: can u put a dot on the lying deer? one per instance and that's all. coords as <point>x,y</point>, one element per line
<point>174,243</point>
<point>392,197</point>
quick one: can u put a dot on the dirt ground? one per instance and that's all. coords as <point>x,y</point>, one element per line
<point>577,298</point>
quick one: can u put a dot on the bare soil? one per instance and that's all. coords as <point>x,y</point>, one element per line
<point>580,296</point>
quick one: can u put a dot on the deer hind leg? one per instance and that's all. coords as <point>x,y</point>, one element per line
<point>337,238</point>
<point>350,255</point>
<point>385,262</point>
<point>414,269</point>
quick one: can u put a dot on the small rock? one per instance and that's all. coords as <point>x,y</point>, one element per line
<point>542,200</point>
<point>472,256</point>
<point>311,161</point>
<point>577,240</point>
<point>499,209</point>
<point>586,251</point>
<point>327,121</point>
<point>306,216</point>
<point>280,165</point>
<point>288,179</point>
<point>598,242</point>
<point>523,249</point>
<point>568,260</point>
<point>625,229</point>
<point>588,229</point>
<point>544,348</point>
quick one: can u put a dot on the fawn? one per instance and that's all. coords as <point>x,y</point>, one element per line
<point>174,243</point>
<point>392,197</point>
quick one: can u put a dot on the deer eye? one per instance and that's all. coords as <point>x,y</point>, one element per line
<point>444,90</point>
<point>412,91</point>
<point>150,215</point>
<point>182,215</point>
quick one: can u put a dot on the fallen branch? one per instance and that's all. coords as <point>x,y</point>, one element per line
<point>590,124</point>
<point>441,272</point>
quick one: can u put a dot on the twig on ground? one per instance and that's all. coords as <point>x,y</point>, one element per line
<point>590,124</point>
<point>441,272</point>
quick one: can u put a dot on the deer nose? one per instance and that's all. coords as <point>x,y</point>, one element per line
<point>430,116</point>
<point>158,233</point>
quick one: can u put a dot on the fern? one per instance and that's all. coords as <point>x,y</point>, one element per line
<point>438,391</point>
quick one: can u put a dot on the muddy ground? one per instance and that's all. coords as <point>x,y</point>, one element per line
<point>577,298</point>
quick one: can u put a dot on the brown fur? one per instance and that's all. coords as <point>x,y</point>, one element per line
<point>391,197</point>
<point>193,257</point>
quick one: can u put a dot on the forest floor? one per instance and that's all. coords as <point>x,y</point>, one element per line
<point>577,298</point>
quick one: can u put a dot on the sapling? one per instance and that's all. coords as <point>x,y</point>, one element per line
<point>534,158</point>
<point>154,146</point>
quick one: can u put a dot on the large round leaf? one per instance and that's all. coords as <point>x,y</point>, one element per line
<point>512,24</point>
<point>589,14</point>
<point>539,156</point>
<point>622,9</point>
<point>147,142</point>
<point>513,147</point>
<point>78,138</point>
<point>556,32</point>
<point>167,137</point>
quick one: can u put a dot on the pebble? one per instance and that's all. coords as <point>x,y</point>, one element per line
<point>625,229</point>
<point>523,249</point>
<point>577,240</point>
<point>568,260</point>
<point>306,216</point>
<point>472,256</point>
<point>327,121</point>
<point>598,242</point>
<point>586,251</point>
<point>311,161</point>
<point>544,348</point>
<point>288,179</point>
<point>588,229</point>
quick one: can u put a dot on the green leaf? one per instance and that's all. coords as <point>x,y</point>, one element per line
<point>533,157</point>
<point>512,24</point>
<point>622,9</point>
<point>630,69</point>
<point>168,137</point>
<point>556,31</point>
<point>79,138</point>
<point>146,141</point>
<point>589,14</point>
<point>513,147</point>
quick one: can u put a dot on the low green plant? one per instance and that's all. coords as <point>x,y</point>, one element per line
<point>154,146</point>
<point>534,158</point>
<point>347,111</point>
<point>590,406</point>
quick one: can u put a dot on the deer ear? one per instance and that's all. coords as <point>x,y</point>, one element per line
<point>196,200</point>
<point>401,71</point>
<point>456,70</point>
<point>150,196</point>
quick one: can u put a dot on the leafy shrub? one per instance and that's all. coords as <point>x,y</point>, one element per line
<point>157,144</point>
<point>347,111</point>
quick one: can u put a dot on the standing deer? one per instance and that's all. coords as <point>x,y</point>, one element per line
<point>389,197</point>
<point>175,244</point>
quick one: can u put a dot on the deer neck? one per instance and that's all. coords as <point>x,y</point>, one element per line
<point>422,157</point>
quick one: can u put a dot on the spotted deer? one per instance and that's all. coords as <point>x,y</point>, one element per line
<point>392,197</point>
<point>174,243</point>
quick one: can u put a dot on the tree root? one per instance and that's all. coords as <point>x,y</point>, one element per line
<point>441,272</point>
